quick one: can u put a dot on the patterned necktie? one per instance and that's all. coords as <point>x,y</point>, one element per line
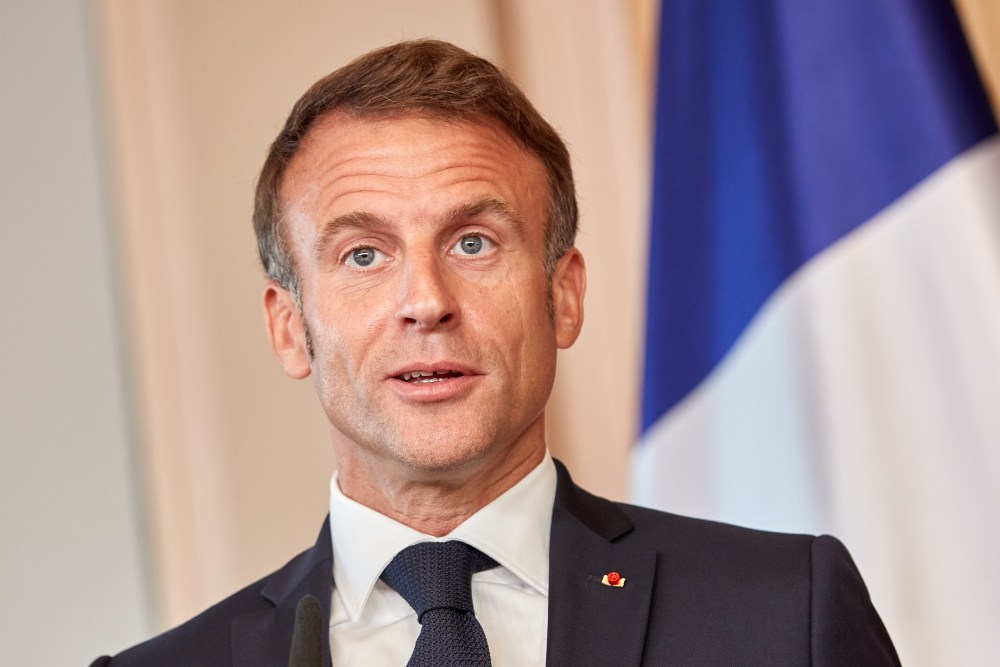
<point>435,578</point>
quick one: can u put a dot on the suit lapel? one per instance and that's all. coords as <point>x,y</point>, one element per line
<point>264,639</point>
<point>591,623</point>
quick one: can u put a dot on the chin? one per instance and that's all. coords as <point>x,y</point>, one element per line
<point>441,455</point>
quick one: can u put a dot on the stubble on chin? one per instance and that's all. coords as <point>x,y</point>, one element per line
<point>424,449</point>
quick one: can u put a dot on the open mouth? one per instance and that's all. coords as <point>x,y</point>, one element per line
<point>426,377</point>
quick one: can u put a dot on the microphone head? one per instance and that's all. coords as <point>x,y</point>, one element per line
<point>309,635</point>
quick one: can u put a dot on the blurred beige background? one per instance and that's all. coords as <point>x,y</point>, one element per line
<point>157,458</point>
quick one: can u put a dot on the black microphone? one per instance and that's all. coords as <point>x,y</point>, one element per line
<point>308,635</point>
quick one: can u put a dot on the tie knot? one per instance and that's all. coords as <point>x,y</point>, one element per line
<point>436,575</point>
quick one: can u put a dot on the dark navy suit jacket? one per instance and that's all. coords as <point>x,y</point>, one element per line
<point>696,593</point>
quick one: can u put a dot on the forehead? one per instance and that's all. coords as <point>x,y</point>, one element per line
<point>346,159</point>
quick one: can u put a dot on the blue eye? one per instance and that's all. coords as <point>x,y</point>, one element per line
<point>473,244</point>
<point>364,257</point>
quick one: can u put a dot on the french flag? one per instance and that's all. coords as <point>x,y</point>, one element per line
<point>823,332</point>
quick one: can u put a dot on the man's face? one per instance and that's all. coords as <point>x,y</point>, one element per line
<point>419,250</point>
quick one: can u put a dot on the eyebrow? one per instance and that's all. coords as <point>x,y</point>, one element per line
<point>364,220</point>
<point>497,207</point>
<point>354,220</point>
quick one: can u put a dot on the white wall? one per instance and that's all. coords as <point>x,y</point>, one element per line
<point>70,548</point>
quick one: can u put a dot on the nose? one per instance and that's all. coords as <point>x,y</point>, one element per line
<point>425,297</point>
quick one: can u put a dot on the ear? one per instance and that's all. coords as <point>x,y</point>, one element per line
<point>569,283</point>
<point>286,331</point>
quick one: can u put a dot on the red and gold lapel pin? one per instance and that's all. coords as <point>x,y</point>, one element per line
<point>613,579</point>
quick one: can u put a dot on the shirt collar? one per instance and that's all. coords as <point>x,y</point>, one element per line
<point>513,529</point>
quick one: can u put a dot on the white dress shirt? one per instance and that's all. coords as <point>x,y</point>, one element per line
<point>370,624</point>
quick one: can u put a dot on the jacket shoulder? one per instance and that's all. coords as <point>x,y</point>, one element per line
<point>669,531</point>
<point>711,553</point>
<point>255,619</point>
<point>801,592</point>
<point>205,639</point>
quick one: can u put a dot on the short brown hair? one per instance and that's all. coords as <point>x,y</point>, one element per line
<point>426,77</point>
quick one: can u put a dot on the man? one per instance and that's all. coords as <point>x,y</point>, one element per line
<point>416,220</point>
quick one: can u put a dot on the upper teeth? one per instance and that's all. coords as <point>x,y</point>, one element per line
<point>423,374</point>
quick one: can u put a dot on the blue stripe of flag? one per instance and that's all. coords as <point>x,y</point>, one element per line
<point>781,125</point>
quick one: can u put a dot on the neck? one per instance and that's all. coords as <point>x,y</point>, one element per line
<point>433,502</point>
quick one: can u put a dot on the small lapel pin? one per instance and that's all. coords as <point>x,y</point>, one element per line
<point>613,579</point>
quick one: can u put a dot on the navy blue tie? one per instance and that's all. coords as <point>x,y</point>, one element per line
<point>435,578</point>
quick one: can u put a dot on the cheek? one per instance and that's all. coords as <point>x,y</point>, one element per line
<point>526,329</point>
<point>348,311</point>
<point>342,337</point>
<point>524,286</point>
<point>503,307</point>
